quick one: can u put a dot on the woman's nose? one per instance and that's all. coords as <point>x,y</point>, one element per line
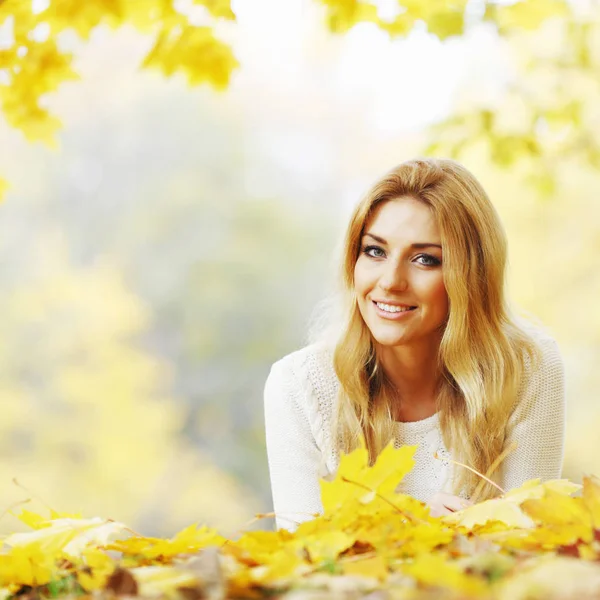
<point>394,279</point>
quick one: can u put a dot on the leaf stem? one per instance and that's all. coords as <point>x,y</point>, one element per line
<point>14,505</point>
<point>368,489</point>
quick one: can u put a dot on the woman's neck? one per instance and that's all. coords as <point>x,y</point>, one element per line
<point>415,376</point>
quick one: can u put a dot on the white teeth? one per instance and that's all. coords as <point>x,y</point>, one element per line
<point>390,308</point>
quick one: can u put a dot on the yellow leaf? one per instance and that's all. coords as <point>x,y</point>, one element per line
<point>529,14</point>
<point>436,570</point>
<point>507,508</point>
<point>4,185</point>
<point>284,565</point>
<point>325,546</point>
<point>534,489</point>
<point>83,17</point>
<point>556,509</point>
<point>591,498</point>
<point>421,538</point>
<point>496,509</point>
<point>27,565</point>
<point>62,515</point>
<point>562,520</point>
<point>355,480</point>
<point>69,535</point>
<point>218,8</point>
<point>98,567</point>
<point>189,540</point>
<point>33,520</point>
<point>22,113</point>
<point>342,15</point>
<point>159,580</point>
<point>258,546</point>
<point>195,52</point>
<point>375,566</point>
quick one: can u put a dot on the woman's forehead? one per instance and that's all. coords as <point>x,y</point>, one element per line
<point>403,218</point>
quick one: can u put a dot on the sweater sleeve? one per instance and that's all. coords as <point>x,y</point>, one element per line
<point>538,423</point>
<point>292,451</point>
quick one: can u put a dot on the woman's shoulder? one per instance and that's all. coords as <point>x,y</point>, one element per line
<point>549,350</point>
<point>546,376</point>
<point>308,375</point>
<point>312,364</point>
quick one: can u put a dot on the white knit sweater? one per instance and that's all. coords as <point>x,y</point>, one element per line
<point>300,396</point>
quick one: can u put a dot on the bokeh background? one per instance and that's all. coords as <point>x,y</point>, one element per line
<point>175,242</point>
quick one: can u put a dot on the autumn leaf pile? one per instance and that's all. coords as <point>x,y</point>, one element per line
<point>539,541</point>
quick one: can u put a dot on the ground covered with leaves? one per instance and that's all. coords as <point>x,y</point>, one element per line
<point>539,541</point>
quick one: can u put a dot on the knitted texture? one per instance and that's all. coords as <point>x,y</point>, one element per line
<point>299,400</point>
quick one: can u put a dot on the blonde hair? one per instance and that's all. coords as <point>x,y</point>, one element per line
<point>483,346</point>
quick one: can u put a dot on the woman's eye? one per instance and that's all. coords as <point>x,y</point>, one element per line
<point>430,261</point>
<point>369,249</point>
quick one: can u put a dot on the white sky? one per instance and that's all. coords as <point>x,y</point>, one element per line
<point>276,33</point>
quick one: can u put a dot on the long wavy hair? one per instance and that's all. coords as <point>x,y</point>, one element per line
<point>484,345</point>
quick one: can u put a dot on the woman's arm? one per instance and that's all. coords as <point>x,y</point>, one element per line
<point>292,451</point>
<point>538,423</point>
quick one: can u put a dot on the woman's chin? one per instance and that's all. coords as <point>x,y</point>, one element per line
<point>389,340</point>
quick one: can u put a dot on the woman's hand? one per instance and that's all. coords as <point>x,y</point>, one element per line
<point>442,504</point>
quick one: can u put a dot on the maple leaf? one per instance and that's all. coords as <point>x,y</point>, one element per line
<point>161,580</point>
<point>69,535</point>
<point>256,547</point>
<point>436,570</point>
<point>355,480</point>
<point>31,564</point>
<point>188,540</point>
<point>97,567</point>
<point>374,566</point>
<point>33,520</point>
<point>535,489</point>
<point>565,520</point>
<point>506,509</point>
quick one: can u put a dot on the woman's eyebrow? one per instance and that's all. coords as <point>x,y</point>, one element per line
<point>413,245</point>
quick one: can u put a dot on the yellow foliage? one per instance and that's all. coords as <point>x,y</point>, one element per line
<point>507,509</point>
<point>218,8</point>
<point>162,580</point>
<point>528,14</point>
<point>436,570</point>
<point>392,543</point>
<point>97,566</point>
<point>375,566</point>
<point>27,565</point>
<point>35,66</point>
<point>443,18</point>
<point>194,51</point>
<point>190,539</point>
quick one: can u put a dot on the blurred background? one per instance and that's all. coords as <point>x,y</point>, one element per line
<point>170,216</point>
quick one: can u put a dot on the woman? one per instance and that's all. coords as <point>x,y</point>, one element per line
<point>421,349</point>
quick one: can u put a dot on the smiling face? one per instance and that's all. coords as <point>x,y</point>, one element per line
<point>400,263</point>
